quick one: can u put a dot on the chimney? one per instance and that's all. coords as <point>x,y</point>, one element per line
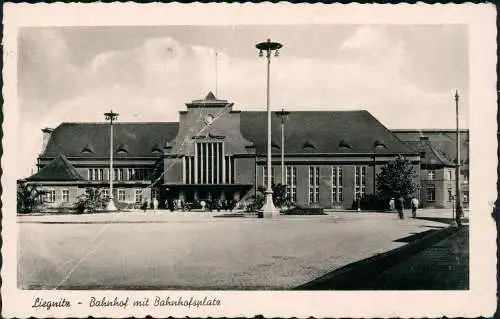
<point>47,132</point>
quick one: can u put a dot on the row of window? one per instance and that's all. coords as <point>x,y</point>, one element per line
<point>50,195</point>
<point>120,174</point>
<point>209,165</point>
<point>337,180</point>
<point>431,194</point>
<point>450,174</point>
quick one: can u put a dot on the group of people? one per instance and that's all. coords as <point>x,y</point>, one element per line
<point>399,205</point>
<point>147,204</point>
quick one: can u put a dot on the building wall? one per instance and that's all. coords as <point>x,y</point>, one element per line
<point>73,192</point>
<point>325,181</point>
<point>173,170</point>
<point>442,183</point>
<point>244,171</point>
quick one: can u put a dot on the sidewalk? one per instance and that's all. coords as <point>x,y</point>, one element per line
<point>442,265</point>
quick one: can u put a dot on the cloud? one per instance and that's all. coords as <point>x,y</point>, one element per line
<point>151,82</point>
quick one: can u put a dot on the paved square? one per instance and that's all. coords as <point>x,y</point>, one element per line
<point>163,250</point>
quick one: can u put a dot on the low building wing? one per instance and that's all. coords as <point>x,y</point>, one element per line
<point>58,170</point>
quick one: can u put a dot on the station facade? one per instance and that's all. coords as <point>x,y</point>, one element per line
<point>215,152</point>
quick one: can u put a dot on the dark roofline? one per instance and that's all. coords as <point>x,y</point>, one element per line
<point>388,130</point>
<point>306,111</point>
<point>118,123</point>
<point>440,156</point>
<point>437,130</point>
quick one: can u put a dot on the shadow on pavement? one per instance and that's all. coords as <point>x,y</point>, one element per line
<point>424,263</point>
<point>415,236</point>
<point>444,220</point>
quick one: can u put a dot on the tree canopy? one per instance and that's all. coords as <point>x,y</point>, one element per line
<point>397,179</point>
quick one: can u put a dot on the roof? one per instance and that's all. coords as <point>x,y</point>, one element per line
<point>432,156</point>
<point>59,169</point>
<point>442,140</point>
<point>209,100</point>
<point>306,132</point>
<point>92,139</point>
<point>324,132</point>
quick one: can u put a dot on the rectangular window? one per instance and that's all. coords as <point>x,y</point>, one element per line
<point>431,175</point>
<point>313,184</point>
<point>138,195</point>
<point>450,174</point>
<point>466,196</point>
<point>431,193</point>
<point>209,164</point>
<point>450,194</point>
<point>65,195</point>
<point>291,182</point>
<point>337,185</point>
<point>121,195</point>
<point>359,182</point>
<point>155,194</point>
<point>465,179</point>
<point>229,169</point>
<point>105,193</point>
<point>91,174</point>
<point>187,170</point>
<point>118,174</point>
<point>50,196</point>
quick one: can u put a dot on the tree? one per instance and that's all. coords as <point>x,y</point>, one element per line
<point>396,179</point>
<point>280,197</point>
<point>92,200</point>
<point>29,197</point>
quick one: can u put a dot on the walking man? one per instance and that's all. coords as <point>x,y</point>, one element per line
<point>392,204</point>
<point>414,207</point>
<point>400,204</point>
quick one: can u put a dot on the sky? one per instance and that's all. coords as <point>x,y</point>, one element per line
<point>406,76</point>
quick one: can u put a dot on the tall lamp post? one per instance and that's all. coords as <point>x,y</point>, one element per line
<point>458,202</point>
<point>111,116</point>
<point>282,115</point>
<point>268,210</point>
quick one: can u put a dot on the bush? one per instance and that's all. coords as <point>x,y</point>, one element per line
<point>303,210</point>
<point>29,198</point>
<point>374,202</point>
<point>280,198</point>
<point>91,201</point>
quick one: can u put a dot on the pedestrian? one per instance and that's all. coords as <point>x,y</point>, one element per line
<point>414,207</point>
<point>155,204</point>
<point>400,204</point>
<point>146,204</point>
<point>392,204</point>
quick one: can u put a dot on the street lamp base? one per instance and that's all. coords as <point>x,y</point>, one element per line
<point>111,205</point>
<point>268,210</point>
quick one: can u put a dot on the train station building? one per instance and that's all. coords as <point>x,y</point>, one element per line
<point>215,151</point>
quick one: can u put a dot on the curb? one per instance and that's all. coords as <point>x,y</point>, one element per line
<point>354,275</point>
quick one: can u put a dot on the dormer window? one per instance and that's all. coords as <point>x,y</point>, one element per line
<point>87,149</point>
<point>122,149</point>
<point>343,145</point>
<point>379,145</point>
<point>156,149</point>
<point>308,145</point>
